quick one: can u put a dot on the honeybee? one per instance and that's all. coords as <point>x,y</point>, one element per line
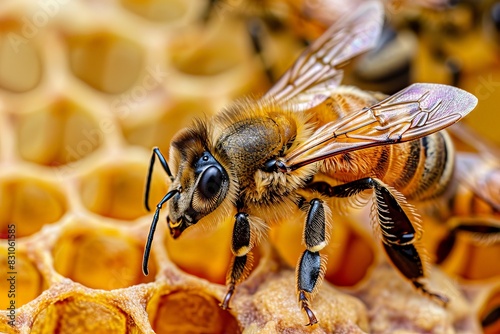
<point>472,205</point>
<point>258,159</point>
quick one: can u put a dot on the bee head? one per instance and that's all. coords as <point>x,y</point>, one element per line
<point>201,181</point>
<point>200,184</point>
<point>205,186</point>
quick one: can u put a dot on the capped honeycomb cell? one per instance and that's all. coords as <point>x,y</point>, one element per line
<point>409,312</point>
<point>29,204</point>
<point>57,134</point>
<point>20,64</point>
<point>195,312</point>
<point>117,191</point>
<point>100,258</point>
<point>106,62</point>
<point>271,295</point>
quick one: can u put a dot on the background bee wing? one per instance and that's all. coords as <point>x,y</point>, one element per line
<point>467,139</point>
<point>481,174</point>
<point>414,112</point>
<point>477,164</point>
<point>315,73</point>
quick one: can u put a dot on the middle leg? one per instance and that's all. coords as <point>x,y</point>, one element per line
<point>311,267</point>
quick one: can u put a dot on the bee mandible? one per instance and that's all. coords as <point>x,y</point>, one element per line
<point>257,159</point>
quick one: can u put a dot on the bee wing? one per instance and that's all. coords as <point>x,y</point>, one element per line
<point>316,72</point>
<point>464,136</point>
<point>414,112</point>
<point>481,174</point>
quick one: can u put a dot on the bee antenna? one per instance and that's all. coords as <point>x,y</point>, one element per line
<point>152,230</point>
<point>163,161</point>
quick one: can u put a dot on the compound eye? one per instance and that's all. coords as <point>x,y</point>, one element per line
<point>210,182</point>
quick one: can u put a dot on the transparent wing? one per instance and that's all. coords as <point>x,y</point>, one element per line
<point>477,164</point>
<point>414,112</point>
<point>316,72</point>
<point>466,139</point>
<point>481,174</point>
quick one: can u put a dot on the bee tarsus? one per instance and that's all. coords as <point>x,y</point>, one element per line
<point>304,303</point>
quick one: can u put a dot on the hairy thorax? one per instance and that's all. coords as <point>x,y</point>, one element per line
<point>252,138</point>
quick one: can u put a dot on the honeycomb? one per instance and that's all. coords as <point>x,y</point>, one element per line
<point>86,89</point>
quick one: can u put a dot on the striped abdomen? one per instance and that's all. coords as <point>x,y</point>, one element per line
<point>419,169</point>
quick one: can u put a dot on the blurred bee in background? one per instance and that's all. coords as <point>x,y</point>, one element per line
<point>308,141</point>
<point>308,19</point>
<point>470,213</point>
<point>474,200</point>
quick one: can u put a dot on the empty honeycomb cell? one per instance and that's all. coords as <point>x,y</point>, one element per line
<point>20,64</point>
<point>29,204</point>
<point>191,311</point>
<point>358,259</point>
<point>100,259</point>
<point>58,134</point>
<point>205,53</point>
<point>158,10</point>
<point>203,253</point>
<point>21,283</point>
<point>118,191</point>
<point>78,315</point>
<point>106,62</point>
<point>159,131</point>
<point>210,61</point>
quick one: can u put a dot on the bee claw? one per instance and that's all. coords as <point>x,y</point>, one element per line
<point>229,294</point>
<point>440,299</point>
<point>443,300</point>
<point>312,318</point>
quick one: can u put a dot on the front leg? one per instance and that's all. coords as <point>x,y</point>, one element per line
<point>244,238</point>
<point>311,267</point>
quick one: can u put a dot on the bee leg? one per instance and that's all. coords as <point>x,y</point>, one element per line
<point>492,317</point>
<point>242,261</point>
<point>397,231</point>
<point>310,270</point>
<point>407,260</point>
<point>399,236</point>
<point>483,231</point>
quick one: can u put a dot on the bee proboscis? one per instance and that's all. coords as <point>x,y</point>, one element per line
<point>257,160</point>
